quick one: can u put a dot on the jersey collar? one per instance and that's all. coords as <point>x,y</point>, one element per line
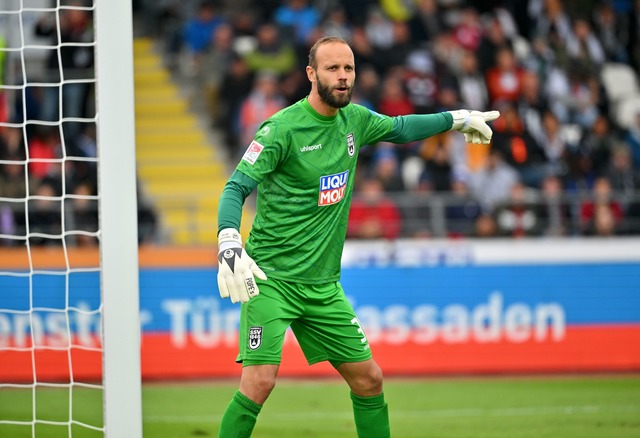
<point>307,106</point>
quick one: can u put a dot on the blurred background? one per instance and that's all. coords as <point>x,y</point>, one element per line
<point>518,257</point>
<point>564,160</point>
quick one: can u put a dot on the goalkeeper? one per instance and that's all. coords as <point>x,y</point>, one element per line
<point>302,161</point>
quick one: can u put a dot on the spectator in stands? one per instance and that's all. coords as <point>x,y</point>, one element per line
<point>597,143</point>
<point>197,35</point>
<point>601,214</point>
<point>147,219</point>
<point>438,170</point>
<point>632,139</point>
<point>493,39</point>
<point>624,177</point>
<point>378,29</point>
<point>553,19</point>
<point>84,214</point>
<point>471,83</point>
<point>44,145</point>
<point>517,217</point>
<point>335,22</point>
<point>468,32</point>
<point>462,211</point>
<point>633,48</point>
<point>386,167</point>
<point>373,215</point>
<point>582,100</point>
<point>394,100</point>
<point>13,185</point>
<point>504,79</point>
<point>367,87</point>
<point>612,31</point>
<point>492,184</point>
<point>297,20</point>
<point>45,214</point>
<point>73,61</point>
<point>541,60</point>
<point>583,47</point>
<point>518,148</point>
<point>531,106</point>
<point>216,62</point>
<point>553,143</point>
<point>264,101</point>
<point>420,82</point>
<point>554,212</point>
<point>293,86</point>
<point>271,52</point>
<point>235,87</point>
<point>396,54</point>
<point>426,22</point>
<point>485,226</point>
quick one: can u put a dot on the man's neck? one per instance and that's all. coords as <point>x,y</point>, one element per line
<point>320,107</point>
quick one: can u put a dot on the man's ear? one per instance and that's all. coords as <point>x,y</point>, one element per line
<point>311,74</point>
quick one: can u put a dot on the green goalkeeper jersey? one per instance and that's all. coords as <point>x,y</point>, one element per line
<point>304,165</point>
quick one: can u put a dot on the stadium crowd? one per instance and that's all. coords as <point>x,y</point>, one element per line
<point>565,156</point>
<point>61,174</point>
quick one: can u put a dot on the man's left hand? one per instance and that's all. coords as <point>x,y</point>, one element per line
<point>473,124</point>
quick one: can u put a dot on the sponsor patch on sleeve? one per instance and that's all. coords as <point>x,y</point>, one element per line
<point>253,152</point>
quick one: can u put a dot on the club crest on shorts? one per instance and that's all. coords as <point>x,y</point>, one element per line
<point>255,337</point>
<point>351,144</point>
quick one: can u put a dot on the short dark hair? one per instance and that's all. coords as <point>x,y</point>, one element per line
<point>313,62</point>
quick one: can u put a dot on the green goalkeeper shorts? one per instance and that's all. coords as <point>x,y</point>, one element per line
<point>321,317</point>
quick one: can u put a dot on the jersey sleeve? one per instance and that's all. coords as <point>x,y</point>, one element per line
<point>404,129</point>
<point>235,191</point>
<point>415,127</point>
<point>266,151</point>
<point>377,126</point>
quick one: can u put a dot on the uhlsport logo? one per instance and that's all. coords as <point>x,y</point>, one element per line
<point>332,188</point>
<point>255,337</point>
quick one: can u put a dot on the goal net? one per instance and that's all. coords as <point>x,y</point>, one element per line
<point>69,325</point>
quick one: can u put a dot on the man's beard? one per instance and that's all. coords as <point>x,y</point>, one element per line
<point>327,97</point>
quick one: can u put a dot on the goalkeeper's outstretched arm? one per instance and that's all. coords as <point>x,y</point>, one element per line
<point>414,127</point>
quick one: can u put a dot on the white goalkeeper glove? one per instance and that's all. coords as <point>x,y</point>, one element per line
<point>473,124</point>
<point>236,269</point>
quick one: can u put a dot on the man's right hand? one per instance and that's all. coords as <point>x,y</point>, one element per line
<point>236,270</point>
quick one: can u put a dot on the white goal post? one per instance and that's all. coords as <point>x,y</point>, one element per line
<point>68,327</point>
<point>118,218</point>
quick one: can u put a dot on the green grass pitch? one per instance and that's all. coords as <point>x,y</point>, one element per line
<point>490,407</point>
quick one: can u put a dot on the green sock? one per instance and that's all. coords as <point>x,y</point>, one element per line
<point>371,415</point>
<point>240,417</point>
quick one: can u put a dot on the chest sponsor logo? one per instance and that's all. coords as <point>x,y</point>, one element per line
<point>253,152</point>
<point>332,188</point>
<point>351,144</point>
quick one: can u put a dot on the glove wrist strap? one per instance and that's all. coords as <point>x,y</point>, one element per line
<point>229,238</point>
<point>460,119</point>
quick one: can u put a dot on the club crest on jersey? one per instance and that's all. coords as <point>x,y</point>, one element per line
<point>351,144</point>
<point>253,152</point>
<point>255,337</point>
<point>332,188</point>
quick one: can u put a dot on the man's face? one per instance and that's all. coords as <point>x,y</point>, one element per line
<point>335,74</point>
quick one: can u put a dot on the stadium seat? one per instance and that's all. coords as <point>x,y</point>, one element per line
<point>619,81</point>
<point>627,110</point>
